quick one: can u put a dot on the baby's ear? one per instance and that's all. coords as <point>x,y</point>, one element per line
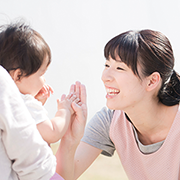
<point>16,75</point>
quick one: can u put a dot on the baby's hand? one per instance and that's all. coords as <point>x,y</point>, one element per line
<point>66,102</point>
<point>44,94</point>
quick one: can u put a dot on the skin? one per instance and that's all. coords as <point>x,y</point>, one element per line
<point>44,93</point>
<point>50,130</point>
<point>136,95</point>
<point>114,76</point>
<point>125,91</point>
<point>33,83</point>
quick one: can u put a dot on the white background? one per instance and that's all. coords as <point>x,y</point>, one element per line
<point>77,31</point>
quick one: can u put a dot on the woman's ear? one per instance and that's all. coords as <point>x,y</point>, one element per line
<point>154,80</point>
<point>16,75</point>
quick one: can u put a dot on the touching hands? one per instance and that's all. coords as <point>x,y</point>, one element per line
<point>78,119</point>
<point>44,94</point>
<point>72,137</point>
<point>66,102</point>
<point>75,103</point>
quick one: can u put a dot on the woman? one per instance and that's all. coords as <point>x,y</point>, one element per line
<point>143,117</point>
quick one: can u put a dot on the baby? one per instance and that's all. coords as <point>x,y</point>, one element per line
<point>26,56</point>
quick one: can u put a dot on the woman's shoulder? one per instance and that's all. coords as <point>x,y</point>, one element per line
<point>105,114</point>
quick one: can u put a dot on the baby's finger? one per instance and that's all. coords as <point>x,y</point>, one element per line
<point>50,89</point>
<point>73,97</point>
<point>63,97</point>
<point>44,90</point>
<point>77,100</point>
<point>69,96</point>
<point>48,92</point>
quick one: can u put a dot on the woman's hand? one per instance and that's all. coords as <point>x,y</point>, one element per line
<point>69,142</point>
<point>78,119</point>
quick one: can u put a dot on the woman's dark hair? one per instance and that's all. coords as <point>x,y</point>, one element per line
<point>22,48</point>
<point>152,51</point>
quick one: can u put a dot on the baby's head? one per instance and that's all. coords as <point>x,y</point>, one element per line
<point>25,55</point>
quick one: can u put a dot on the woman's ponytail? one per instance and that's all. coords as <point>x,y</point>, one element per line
<point>169,94</point>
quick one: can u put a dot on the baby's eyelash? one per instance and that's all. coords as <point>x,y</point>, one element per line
<point>119,68</point>
<point>106,65</point>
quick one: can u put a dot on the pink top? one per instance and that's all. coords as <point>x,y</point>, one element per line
<point>164,164</point>
<point>56,177</point>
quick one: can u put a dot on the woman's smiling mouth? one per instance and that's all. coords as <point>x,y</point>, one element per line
<point>111,92</point>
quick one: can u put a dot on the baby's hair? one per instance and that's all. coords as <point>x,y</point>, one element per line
<point>152,51</point>
<point>21,47</point>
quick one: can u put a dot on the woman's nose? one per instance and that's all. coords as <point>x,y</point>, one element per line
<point>106,75</point>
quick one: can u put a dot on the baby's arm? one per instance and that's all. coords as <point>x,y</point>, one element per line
<point>53,130</point>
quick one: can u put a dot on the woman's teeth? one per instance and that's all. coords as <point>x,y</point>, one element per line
<point>112,91</point>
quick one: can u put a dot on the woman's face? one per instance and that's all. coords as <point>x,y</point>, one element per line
<point>124,89</point>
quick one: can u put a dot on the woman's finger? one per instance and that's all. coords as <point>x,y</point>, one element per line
<point>72,89</point>
<point>77,91</point>
<point>83,95</point>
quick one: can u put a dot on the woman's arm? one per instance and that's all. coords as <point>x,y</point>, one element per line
<point>71,163</point>
<point>96,140</point>
<point>71,139</point>
<point>84,157</point>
